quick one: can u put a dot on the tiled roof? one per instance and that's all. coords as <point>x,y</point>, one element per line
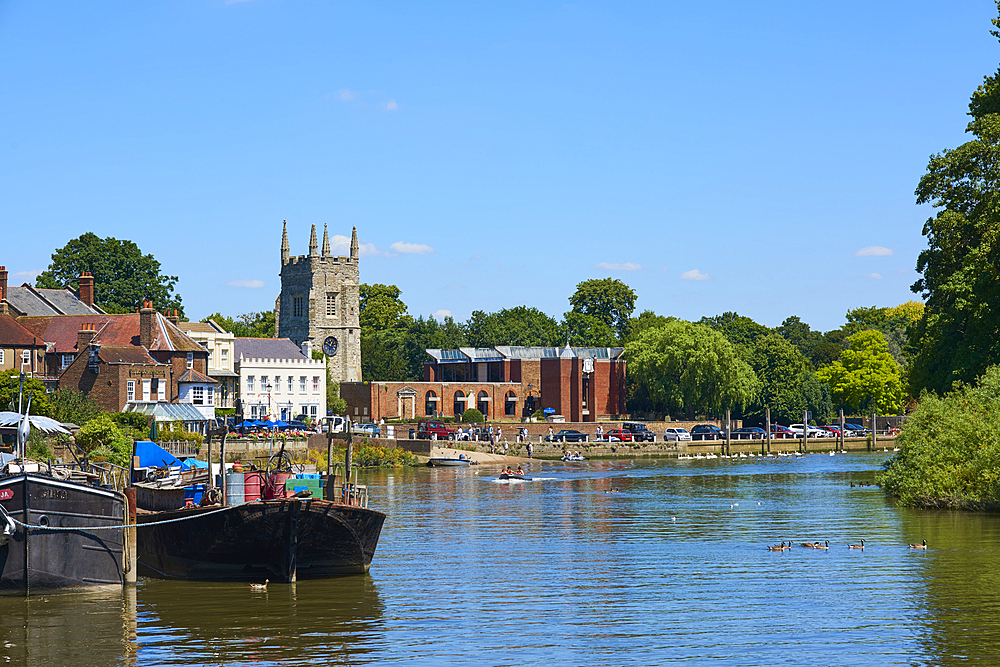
<point>112,330</point>
<point>201,327</point>
<point>267,348</point>
<point>192,375</point>
<point>36,301</point>
<point>13,334</point>
<point>125,355</point>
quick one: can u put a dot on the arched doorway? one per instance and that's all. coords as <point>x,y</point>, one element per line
<point>430,403</point>
<point>510,404</point>
<point>483,404</point>
<point>459,405</point>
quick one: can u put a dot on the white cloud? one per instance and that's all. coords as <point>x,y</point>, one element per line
<point>391,105</point>
<point>411,248</point>
<point>27,276</point>
<point>694,274</point>
<point>441,314</point>
<point>346,95</point>
<point>341,245</point>
<point>875,276</point>
<point>615,266</point>
<point>253,284</point>
<point>874,251</point>
<point>664,268</point>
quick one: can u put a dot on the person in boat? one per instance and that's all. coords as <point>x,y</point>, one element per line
<point>519,470</point>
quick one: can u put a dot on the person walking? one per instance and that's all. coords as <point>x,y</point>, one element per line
<point>530,450</point>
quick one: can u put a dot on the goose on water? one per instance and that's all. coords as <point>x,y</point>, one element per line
<point>260,587</point>
<point>777,547</point>
<point>857,546</point>
<point>919,546</point>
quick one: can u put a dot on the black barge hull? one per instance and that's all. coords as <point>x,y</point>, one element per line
<point>40,561</point>
<point>281,540</point>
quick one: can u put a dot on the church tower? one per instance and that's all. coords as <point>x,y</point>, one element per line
<point>318,308</point>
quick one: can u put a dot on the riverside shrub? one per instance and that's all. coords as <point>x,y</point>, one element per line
<point>949,450</point>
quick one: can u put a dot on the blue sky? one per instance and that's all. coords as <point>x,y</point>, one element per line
<point>714,156</point>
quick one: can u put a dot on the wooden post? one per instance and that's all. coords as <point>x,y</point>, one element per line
<point>767,412</point>
<point>874,433</point>
<point>129,538</point>
<point>843,444</point>
<point>729,428</point>
<point>331,482</point>
<point>222,469</point>
<point>805,431</point>
<point>348,454</point>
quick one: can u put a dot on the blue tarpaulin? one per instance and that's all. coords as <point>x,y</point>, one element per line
<point>151,455</point>
<point>195,463</point>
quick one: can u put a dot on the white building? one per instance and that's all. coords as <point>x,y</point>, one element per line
<point>221,357</point>
<point>277,381</point>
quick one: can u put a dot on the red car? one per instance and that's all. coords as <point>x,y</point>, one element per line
<point>618,434</point>
<point>832,428</point>
<point>779,431</point>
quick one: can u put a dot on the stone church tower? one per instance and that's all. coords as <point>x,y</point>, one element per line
<point>318,307</point>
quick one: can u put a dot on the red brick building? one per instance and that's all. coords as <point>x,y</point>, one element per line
<point>504,382</point>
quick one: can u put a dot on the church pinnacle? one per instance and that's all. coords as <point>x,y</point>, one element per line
<point>354,243</point>
<point>284,242</point>
<point>313,245</point>
<point>326,242</point>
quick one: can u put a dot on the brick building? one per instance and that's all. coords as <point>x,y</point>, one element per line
<point>20,350</point>
<point>504,382</point>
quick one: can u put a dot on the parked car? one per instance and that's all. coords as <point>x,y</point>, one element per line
<point>427,429</point>
<point>567,435</point>
<point>748,432</point>
<point>371,430</point>
<point>618,434</point>
<point>779,431</point>
<point>813,431</point>
<point>676,434</point>
<point>295,425</point>
<point>832,428</point>
<point>707,432</point>
<point>856,431</point>
<point>639,432</point>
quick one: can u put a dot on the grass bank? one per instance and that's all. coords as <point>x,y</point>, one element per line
<point>949,450</point>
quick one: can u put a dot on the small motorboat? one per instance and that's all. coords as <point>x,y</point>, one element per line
<point>573,457</point>
<point>446,461</point>
<point>514,475</point>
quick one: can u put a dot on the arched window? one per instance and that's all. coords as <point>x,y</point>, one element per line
<point>430,403</point>
<point>483,404</point>
<point>459,405</point>
<point>510,404</point>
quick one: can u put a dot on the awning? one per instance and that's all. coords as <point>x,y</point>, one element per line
<point>168,412</point>
<point>222,374</point>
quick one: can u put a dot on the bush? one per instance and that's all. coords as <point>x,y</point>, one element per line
<point>174,432</point>
<point>133,424</point>
<point>73,407</point>
<point>538,414</point>
<point>39,448</point>
<point>949,450</point>
<point>473,416</point>
<point>102,437</point>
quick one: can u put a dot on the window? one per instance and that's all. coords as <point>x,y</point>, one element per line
<point>430,403</point>
<point>350,335</point>
<point>277,384</point>
<point>263,384</point>
<point>253,412</point>
<point>224,356</point>
<point>302,384</point>
<point>163,390</point>
<point>296,306</point>
<point>331,304</point>
<point>26,356</point>
<point>315,384</point>
<point>510,404</point>
<point>1,356</point>
<point>312,411</point>
<point>302,388</point>
<point>190,359</point>
<point>198,395</point>
<point>209,395</point>
<point>65,360</point>
<point>130,390</point>
<point>483,404</point>
<point>154,388</point>
<point>145,391</point>
<point>250,383</point>
<point>459,404</point>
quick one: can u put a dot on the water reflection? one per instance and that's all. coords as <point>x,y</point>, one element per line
<point>92,628</point>
<point>188,623</point>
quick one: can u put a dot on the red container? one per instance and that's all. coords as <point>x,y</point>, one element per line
<point>253,485</point>
<point>275,487</point>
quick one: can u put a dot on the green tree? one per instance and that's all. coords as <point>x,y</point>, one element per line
<point>958,336</point>
<point>520,325</point>
<point>586,331</point>
<point>647,319</point>
<point>788,384</point>
<point>866,377</point>
<point>384,324</point>
<point>741,331</point>
<point>380,307</point>
<point>247,325</point>
<point>424,334</point>
<point>689,367</point>
<point>608,299</point>
<point>41,403</point>
<point>102,437</point>
<point>73,407</point>
<point>799,334</point>
<point>123,277</point>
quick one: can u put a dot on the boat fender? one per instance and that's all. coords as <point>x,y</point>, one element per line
<point>9,527</point>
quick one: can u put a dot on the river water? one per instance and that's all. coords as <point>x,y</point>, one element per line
<point>598,563</point>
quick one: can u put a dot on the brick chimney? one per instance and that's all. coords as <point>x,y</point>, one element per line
<point>173,317</point>
<point>146,314</point>
<point>87,288</point>
<point>84,337</point>
<point>3,283</point>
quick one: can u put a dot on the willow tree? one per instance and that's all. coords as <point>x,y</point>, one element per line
<point>689,367</point>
